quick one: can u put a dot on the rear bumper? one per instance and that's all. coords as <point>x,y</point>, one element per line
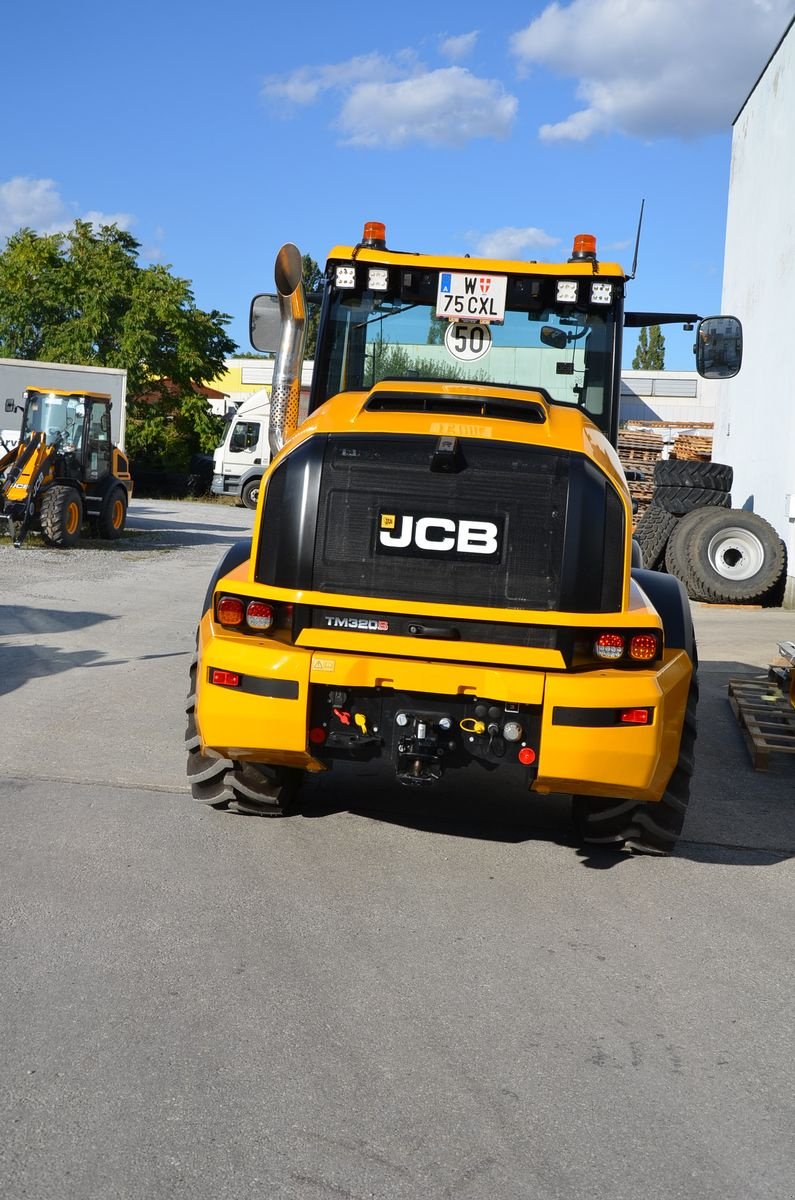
<point>582,746</point>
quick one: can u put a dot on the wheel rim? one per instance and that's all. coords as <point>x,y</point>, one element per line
<point>118,514</point>
<point>254,494</point>
<point>736,553</point>
<point>72,517</point>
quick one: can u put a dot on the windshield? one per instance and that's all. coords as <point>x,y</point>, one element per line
<point>60,418</point>
<point>566,350</point>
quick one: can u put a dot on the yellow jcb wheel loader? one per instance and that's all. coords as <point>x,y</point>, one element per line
<point>442,574</point>
<point>65,470</point>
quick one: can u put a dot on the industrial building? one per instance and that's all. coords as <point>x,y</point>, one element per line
<point>755,416</point>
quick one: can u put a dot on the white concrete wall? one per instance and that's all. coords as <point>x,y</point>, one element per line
<point>755,417</point>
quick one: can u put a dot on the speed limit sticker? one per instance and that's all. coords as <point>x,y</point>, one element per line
<point>467,341</point>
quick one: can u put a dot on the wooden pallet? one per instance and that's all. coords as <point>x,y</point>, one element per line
<point>765,716</point>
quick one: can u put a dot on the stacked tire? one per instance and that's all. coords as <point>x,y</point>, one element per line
<point>721,554</point>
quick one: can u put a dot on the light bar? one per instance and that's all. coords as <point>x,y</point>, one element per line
<point>345,277</point>
<point>601,293</point>
<point>378,279</point>
<point>567,291</point>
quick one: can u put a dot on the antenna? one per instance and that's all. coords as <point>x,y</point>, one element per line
<point>637,242</point>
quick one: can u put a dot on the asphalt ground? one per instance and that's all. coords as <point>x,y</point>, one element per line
<point>387,995</point>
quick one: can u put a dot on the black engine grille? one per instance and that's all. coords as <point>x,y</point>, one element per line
<point>556,523</point>
<point>522,492</point>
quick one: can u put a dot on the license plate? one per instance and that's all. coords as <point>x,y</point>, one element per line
<point>476,297</point>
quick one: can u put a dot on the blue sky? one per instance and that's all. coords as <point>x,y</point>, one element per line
<point>216,133</point>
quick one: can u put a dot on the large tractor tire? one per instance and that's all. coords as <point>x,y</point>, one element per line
<point>223,783</point>
<point>687,473</point>
<point>727,556</point>
<point>250,493</point>
<point>681,500</point>
<point>646,827</point>
<point>113,514</point>
<point>61,516</point>
<point>652,533</point>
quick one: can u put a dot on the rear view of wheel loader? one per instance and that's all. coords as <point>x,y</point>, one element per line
<point>64,471</point>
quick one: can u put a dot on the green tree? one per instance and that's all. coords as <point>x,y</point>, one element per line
<point>313,283</point>
<point>650,354</point>
<point>83,297</point>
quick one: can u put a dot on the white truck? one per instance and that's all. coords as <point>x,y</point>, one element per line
<point>240,461</point>
<point>18,374</point>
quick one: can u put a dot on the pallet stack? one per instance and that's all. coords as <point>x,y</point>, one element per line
<point>693,446</point>
<point>639,451</point>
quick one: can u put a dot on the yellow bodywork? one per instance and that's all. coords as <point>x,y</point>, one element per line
<point>634,761</point>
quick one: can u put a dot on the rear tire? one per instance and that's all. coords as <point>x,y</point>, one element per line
<point>61,516</point>
<point>253,789</point>
<point>113,514</point>
<point>646,827</point>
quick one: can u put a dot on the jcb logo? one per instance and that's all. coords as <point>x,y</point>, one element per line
<point>445,537</point>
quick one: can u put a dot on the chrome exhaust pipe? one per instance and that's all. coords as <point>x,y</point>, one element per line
<point>286,388</point>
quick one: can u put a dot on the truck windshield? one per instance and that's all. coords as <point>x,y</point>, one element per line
<point>566,350</point>
<point>60,418</point>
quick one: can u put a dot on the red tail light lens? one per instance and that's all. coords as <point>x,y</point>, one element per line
<point>609,645</point>
<point>260,615</point>
<point>224,678</point>
<point>643,647</point>
<point>636,716</point>
<point>230,611</point>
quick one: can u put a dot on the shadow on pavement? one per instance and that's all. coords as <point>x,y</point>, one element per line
<point>18,619</point>
<point>23,663</point>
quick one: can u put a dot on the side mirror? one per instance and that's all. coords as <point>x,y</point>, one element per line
<point>719,347</point>
<point>9,405</point>
<point>265,323</point>
<point>551,336</point>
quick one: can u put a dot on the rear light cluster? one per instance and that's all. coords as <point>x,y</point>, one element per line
<point>250,616</point>
<point>635,647</point>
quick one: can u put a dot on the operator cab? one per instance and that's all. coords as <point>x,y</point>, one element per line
<point>77,425</point>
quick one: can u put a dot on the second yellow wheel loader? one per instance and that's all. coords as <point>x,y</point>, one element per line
<point>65,470</point>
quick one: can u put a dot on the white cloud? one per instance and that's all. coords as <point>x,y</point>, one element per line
<point>37,204</point>
<point>305,85</point>
<point>448,107</point>
<point>651,70</point>
<point>459,45</point>
<point>510,242</point>
<point>389,102</point>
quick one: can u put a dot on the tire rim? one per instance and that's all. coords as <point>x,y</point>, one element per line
<point>71,518</point>
<point>118,514</point>
<point>254,494</point>
<point>736,553</point>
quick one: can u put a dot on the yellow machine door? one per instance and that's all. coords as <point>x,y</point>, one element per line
<point>98,449</point>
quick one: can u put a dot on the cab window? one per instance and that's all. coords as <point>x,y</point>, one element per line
<point>245,436</point>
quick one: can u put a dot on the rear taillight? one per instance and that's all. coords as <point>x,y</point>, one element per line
<point>630,646</point>
<point>636,716</point>
<point>260,615</point>
<point>609,645</point>
<point>230,611</point>
<point>224,678</point>
<point>252,616</point>
<point>643,647</point>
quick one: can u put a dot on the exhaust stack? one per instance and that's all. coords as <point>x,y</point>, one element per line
<point>286,389</point>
